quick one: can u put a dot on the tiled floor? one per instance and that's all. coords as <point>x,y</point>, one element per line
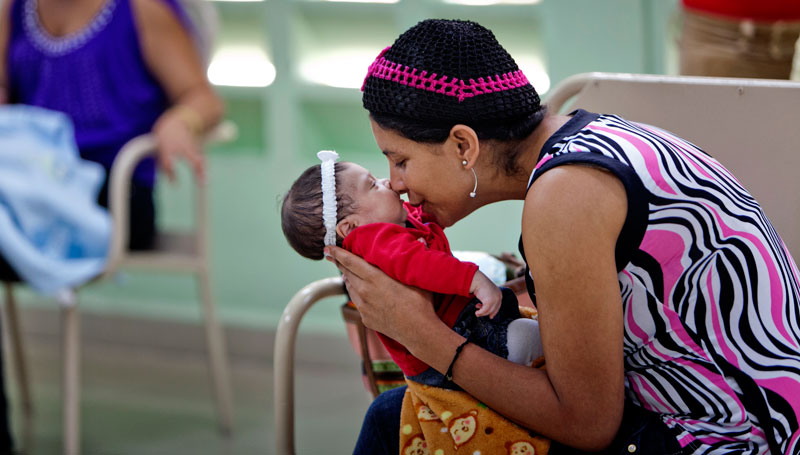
<point>142,400</point>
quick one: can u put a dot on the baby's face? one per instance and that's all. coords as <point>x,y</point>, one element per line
<point>375,200</point>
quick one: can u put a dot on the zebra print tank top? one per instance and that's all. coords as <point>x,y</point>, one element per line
<point>710,294</point>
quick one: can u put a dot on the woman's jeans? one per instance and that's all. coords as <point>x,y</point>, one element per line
<point>641,431</point>
<point>380,432</point>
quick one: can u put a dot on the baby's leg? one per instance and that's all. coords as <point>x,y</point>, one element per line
<point>523,341</point>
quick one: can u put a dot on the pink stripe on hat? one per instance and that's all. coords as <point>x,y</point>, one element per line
<point>445,85</point>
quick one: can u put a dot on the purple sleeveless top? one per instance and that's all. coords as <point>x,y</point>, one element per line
<point>97,76</point>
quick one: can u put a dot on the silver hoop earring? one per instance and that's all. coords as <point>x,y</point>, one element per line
<point>475,189</point>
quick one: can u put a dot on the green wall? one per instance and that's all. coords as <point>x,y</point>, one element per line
<point>281,127</point>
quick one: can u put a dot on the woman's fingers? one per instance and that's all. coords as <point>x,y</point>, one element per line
<point>350,263</point>
<point>176,141</point>
<point>165,161</point>
<point>352,268</point>
<point>386,305</point>
<point>194,156</point>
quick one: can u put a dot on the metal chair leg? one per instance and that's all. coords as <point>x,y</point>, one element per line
<point>285,340</point>
<point>18,351</point>
<point>71,378</point>
<point>217,356</point>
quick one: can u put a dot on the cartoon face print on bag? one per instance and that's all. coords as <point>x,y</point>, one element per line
<point>463,427</point>
<point>425,414</point>
<point>416,446</point>
<point>520,448</point>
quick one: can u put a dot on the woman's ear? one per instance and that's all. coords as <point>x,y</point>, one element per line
<point>464,142</point>
<point>346,225</point>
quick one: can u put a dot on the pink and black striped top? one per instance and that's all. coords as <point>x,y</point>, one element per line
<point>711,296</point>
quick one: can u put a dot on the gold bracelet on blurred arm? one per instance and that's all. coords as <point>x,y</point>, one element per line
<point>190,117</point>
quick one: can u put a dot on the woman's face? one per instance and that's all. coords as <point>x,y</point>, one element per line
<point>430,174</point>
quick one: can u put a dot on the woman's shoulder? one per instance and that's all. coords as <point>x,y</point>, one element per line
<point>574,182</point>
<point>163,28</point>
<point>5,7</point>
<point>575,194</point>
<point>564,128</point>
<point>159,16</point>
<point>5,18</point>
<point>153,11</point>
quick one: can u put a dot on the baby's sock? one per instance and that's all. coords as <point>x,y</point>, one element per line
<point>524,342</point>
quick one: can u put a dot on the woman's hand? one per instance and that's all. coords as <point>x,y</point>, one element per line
<point>177,137</point>
<point>386,305</point>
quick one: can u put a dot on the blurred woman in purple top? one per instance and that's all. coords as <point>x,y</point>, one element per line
<point>119,69</point>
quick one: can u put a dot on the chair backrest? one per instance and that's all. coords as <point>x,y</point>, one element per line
<point>131,154</point>
<point>752,126</point>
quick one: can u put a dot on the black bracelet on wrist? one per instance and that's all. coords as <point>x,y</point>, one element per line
<point>449,374</point>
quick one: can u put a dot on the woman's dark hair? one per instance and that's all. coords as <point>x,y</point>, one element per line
<point>441,73</point>
<point>301,212</point>
<point>511,132</point>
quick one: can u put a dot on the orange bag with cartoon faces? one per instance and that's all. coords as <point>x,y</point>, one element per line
<point>436,421</point>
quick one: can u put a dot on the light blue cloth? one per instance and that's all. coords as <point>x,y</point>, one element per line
<point>52,231</point>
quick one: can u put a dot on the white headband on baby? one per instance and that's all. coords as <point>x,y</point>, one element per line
<point>328,158</point>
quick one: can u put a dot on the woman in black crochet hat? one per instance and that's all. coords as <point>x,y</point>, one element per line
<point>645,252</point>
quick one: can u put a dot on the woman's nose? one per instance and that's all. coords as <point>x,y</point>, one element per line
<point>396,183</point>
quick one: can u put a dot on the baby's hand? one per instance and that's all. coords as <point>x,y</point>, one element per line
<point>488,293</point>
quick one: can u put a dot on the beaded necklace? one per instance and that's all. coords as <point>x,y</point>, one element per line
<point>59,46</point>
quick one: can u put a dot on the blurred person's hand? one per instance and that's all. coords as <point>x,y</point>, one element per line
<point>177,137</point>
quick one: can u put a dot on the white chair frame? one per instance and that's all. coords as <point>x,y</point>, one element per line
<point>285,340</point>
<point>703,110</point>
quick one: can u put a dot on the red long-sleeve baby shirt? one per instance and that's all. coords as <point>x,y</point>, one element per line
<point>418,255</point>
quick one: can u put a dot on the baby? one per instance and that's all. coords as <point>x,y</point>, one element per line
<point>343,204</point>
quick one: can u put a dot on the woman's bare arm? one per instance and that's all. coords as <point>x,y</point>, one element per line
<point>571,222</point>
<point>171,56</point>
<point>5,36</point>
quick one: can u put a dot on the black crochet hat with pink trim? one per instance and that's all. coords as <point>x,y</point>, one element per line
<point>443,72</point>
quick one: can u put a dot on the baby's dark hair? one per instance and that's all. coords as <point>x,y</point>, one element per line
<point>301,212</point>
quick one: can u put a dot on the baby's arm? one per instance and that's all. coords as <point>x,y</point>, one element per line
<point>488,293</point>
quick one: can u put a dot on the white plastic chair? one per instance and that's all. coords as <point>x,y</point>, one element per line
<point>752,126</point>
<point>185,251</point>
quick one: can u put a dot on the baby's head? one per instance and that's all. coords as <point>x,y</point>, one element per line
<point>360,199</point>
